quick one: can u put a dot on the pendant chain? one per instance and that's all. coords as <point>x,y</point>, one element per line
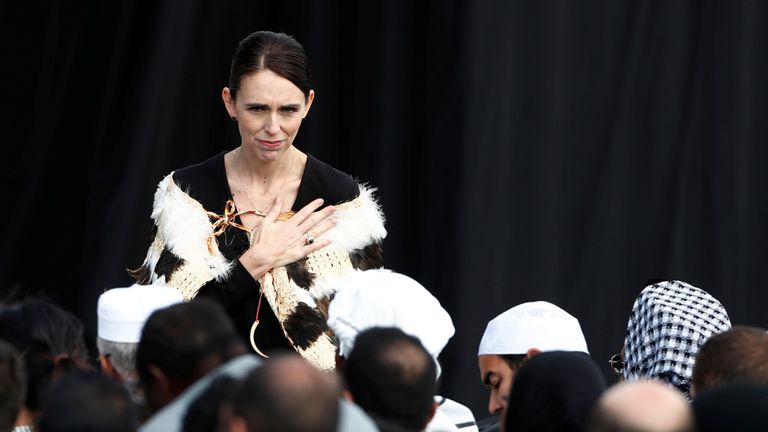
<point>244,191</point>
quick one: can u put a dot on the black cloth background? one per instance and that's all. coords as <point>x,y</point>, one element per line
<point>556,150</point>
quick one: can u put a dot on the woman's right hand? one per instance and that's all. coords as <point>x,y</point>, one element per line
<point>277,243</point>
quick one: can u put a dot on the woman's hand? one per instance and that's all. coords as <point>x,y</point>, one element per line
<point>277,243</point>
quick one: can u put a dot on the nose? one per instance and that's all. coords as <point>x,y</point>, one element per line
<point>273,124</point>
<point>494,407</point>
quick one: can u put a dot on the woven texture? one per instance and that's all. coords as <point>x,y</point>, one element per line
<point>669,323</point>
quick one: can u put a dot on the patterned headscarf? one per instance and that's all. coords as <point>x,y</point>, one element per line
<point>669,322</point>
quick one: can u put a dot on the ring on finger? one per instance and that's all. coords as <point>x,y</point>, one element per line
<point>310,238</point>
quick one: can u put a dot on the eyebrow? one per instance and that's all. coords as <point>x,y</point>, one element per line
<point>263,105</point>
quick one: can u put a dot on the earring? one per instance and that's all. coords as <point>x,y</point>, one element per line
<point>234,119</point>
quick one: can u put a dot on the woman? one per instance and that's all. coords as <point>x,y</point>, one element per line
<point>670,321</point>
<point>265,220</point>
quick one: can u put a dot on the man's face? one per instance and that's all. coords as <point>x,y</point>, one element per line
<point>497,375</point>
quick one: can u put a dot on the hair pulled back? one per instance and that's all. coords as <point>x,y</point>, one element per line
<point>277,52</point>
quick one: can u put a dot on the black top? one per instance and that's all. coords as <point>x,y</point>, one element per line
<point>207,183</point>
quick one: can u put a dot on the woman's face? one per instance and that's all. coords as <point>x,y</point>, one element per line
<point>269,110</point>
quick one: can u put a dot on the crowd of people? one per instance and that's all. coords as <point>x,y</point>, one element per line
<point>263,305</point>
<point>165,364</point>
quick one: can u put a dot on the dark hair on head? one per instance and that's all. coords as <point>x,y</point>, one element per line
<point>266,50</point>
<point>178,338</point>
<point>392,377</point>
<point>514,361</point>
<point>203,413</point>
<point>13,385</point>
<point>87,402</point>
<point>286,394</point>
<point>554,390</point>
<point>738,355</point>
<point>49,339</point>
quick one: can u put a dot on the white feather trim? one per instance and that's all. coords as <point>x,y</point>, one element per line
<point>359,222</point>
<point>185,228</point>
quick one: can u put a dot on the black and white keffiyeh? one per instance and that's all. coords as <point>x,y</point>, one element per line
<point>670,321</point>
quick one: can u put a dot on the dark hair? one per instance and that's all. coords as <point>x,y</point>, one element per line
<point>178,338</point>
<point>392,376</point>
<point>554,390</point>
<point>87,402</point>
<point>732,407</point>
<point>514,361</point>
<point>49,339</point>
<point>278,52</point>
<point>13,385</point>
<point>736,355</point>
<point>203,413</point>
<point>288,395</point>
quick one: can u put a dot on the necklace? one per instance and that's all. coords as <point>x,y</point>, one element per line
<point>244,191</point>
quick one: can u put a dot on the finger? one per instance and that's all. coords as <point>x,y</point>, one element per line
<point>274,211</point>
<point>317,217</point>
<point>317,245</point>
<point>321,228</point>
<point>306,211</point>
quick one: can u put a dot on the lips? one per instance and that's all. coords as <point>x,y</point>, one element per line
<point>271,144</point>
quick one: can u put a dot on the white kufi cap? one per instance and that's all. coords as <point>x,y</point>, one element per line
<point>382,298</point>
<point>539,325</point>
<point>122,312</point>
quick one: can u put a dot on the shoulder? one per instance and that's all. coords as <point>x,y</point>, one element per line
<point>324,181</point>
<point>204,181</point>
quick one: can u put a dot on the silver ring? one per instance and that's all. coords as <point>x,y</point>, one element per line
<point>310,239</point>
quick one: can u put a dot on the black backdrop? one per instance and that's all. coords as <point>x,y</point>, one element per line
<point>559,150</point>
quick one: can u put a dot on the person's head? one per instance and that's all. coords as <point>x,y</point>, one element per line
<point>736,355</point>
<point>208,412</point>
<point>50,341</point>
<point>642,406</point>
<point>87,402</point>
<point>519,334</point>
<point>13,385</point>
<point>732,407</point>
<point>554,391</point>
<point>382,298</point>
<point>670,321</point>
<point>391,376</point>
<point>269,92</point>
<point>181,343</point>
<point>286,394</point>
<point>121,314</point>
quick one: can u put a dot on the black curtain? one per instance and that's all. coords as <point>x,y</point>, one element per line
<point>555,150</point>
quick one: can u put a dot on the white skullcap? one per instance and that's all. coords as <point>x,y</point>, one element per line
<point>122,312</point>
<point>382,298</point>
<point>539,325</point>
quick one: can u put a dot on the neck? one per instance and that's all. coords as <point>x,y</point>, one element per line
<point>265,172</point>
<point>25,417</point>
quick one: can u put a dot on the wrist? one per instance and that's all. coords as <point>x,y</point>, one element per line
<point>256,264</point>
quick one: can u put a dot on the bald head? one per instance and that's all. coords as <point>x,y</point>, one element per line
<point>642,406</point>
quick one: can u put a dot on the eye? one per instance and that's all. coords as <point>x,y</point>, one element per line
<point>493,384</point>
<point>257,108</point>
<point>289,109</point>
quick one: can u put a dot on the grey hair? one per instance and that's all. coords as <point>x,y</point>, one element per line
<point>122,356</point>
